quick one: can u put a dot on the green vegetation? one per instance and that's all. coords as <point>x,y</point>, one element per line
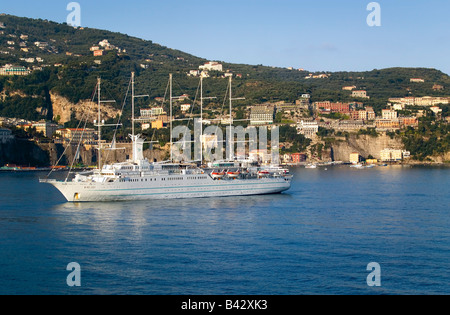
<point>324,132</point>
<point>430,138</point>
<point>70,70</point>
<point>335,116</point>
<point>299,142</point>
<point>368,131</point>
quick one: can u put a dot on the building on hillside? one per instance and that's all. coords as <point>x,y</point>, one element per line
<point>436,110</point>
<point>149,112</point>
<point>349,125</point>
<point>308,128</point>
<point>41,45</point>
<point>48,129</point>
<point>98,53</point>
<point>303,102</point>
<point>420,101</point>
<point>10,70</point>
<point>391,155</point>
<point>329,107</point>
<point>298,157</point>
<point>360,93</point>
<point>75,136</point>
<point>370,113</point>
<point>212,66</point>
<point>157,124</point>
<point>408,121</point>
<point>387,124</point>
<point>389,114</point>
<point>416,80</point>
<point>185,107</point>
<point>262,115</point>
<point>438,87</point>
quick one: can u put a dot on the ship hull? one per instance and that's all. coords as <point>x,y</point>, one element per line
<point>162,188</point>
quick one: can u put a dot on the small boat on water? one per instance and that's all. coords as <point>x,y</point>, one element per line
<point>311,166</point>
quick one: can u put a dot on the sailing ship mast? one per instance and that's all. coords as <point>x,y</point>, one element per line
<point>100,123</point>
<point>201,116</point>
<point>133,119</point>
<point>171,104</point>
<point>99,82</point>
<point>231,144</point>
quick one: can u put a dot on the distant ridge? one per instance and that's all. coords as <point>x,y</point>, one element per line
<point>69,68</point>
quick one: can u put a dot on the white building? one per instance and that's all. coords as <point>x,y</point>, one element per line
<point>212,66</point>
<point>392,155</point>
<point>149,112</point>
<point>185,107</point>
<point>194,73</point>
<point>398,106</point>
<point>436,110</point>
<point>308,128</point>
<point>41,44</point>
<point>389,114</point>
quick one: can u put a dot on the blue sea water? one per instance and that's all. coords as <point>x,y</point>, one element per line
<point>317,238</point>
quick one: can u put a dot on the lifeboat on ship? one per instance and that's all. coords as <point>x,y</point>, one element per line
<point>263,173</point>
<point>233,174</point>
<point>217,175</point>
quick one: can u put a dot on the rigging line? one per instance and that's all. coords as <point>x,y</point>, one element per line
<point>162,105</point>
<point>193,104</point>
<point>73,135</point>
<point>82,135</point>
<point>78,148</point>
<point>224,99</point>
<point>120,117</point>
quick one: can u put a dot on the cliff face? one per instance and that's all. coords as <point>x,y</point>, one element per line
<point>23,152</point>
<point>63,109</point>
<point>365,145</point>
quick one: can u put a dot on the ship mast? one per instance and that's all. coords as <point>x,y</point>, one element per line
<point>100,123</point>
<point>171,104</point>
<point>133,119</point>
<point>99,82</point>
<point>201,116</point>
<point>231,144</point>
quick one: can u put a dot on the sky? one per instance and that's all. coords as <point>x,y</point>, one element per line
<point>316,35</point>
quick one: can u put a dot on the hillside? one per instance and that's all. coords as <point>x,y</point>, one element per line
<point>69,69</point>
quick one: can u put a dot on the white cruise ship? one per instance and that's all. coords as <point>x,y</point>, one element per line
<point>139,179</point>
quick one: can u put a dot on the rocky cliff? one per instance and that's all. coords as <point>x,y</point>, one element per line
<point>24,153</point>
<point>365,145</point>
<point>63,109</point>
